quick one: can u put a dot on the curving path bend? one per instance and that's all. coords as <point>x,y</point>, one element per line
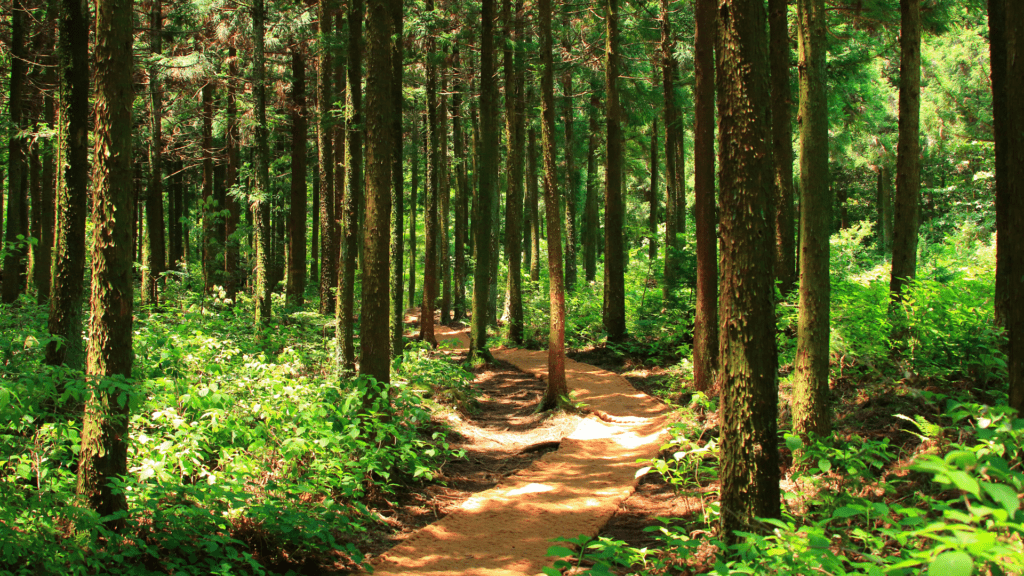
<point>507,530</point>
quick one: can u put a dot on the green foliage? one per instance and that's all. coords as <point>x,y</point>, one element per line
<point>686,465</point>
<point>245,455</point>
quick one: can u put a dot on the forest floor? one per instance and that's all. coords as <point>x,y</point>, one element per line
<point>527,478</point>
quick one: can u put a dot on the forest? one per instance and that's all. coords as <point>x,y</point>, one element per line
<point>512,287</point>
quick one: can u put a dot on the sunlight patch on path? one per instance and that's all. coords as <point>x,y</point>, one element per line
<point>506,530</point>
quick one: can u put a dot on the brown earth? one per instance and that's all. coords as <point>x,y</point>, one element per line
<point>508,529</point>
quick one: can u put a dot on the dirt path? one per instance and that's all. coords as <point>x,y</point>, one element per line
<point>507,530</point>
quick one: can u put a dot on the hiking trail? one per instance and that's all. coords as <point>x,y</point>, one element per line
<point>507,530</point>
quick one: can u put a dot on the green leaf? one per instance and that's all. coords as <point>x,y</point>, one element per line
<point>560,551</point>
<point>1004,495</point>
<point>953,563</point>
<point>963,481</point>
<point>824,465</point>
<point>793,442</point>
<point>846,512</point>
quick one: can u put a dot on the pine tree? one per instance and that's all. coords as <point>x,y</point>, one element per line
<point>614,271</point>
<point>907,212</point>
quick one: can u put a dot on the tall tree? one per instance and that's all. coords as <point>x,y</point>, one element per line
<point>571,174</point>
<point>375,340</point>
<point>614,259</point>
<point>461,195</point>
<point>675,218</point>
<point>998,55</point>
<point>487,174</point>
<point>346,355</point>
<point>782,143</point>
<point>261,192</point>
<point>556,388</point>
<point>156,258</point>
<point>590,215</point>
<point>749,467</point>
<point>415,182</point>
<point>297,215</point>
<point>231,248</point>
<point>397,179</point>
<point>811,411</point>
<point>1014,203</point>
<point>325,157</point>
<point>14,262</point>
<point>514,140</point>
<point>531,203</point>
<point>705,329</point>
<point>444,201</point>
<point>907,213</point>
<point>104,454</point>
<point>652,214</point>
<point>210,209</point>
<point>65,320</point>
<point>430,240</point>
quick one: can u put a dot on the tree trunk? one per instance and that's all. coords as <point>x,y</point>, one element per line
<point>908,153</point>
<point>1014,202</point>
<point>346,355</point>
<point>397,248</point>
<point>705,330</point>
<point>811,405</point>
<point>430,206</point>
<point>749,468</point>
<point>571,175</point>
<point>155,262</point>
<point>591,223</point>
<point>297,215</point>
<point>461,194</point>
<point>209,204</point>
<point>997,52</point>
<point>444,204</point>
<point>556,389</point>
<point>488,175</point>
<point>531,206</point>
<point>652,222</point>
<point>261,205</point>
<point>614,267</point>
<point>14,262</point>
<point>325,160</point>
<point>675,180</point>
<point>514,140</point>
<point>415,161</point>
<point>782,144</point>
<point>232,275</point>
<point>104,453</point>
<point>339,130</point>
<point>375,338</point>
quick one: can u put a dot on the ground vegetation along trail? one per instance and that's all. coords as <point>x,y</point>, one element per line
<point>507,530</point>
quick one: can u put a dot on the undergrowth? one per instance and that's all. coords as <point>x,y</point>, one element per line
<point>247,454</point>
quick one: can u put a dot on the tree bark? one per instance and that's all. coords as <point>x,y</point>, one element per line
<point>749,468</point>
<point>908,153</point>
<point>261,192</point>
<point>444,195</point>
<point>397,248</point>
<point>14,262</point>
<point>346,355</point>
<point>675,218</point>
<point>104,453</point>
<point>430,206</point>
<point>297,214</point>
<point>556,389</point>
<point>590,215</point>
<point>705,330</point>
<point>488,174</point>
<point>614,267</point>
<point>375,338</point>
<point>415,161</point>
<point>325,160</point>
<point>652,213</point>
<point>1014,203</point>
<point>811,404</point>
<point>232,274</point>
<point>997,51</point>
<point>571,174</point>
<point>514,140</point>
<point>531,206</point>
<point>461,194</point>
<point>782,144</point>
<point>209,204</point>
